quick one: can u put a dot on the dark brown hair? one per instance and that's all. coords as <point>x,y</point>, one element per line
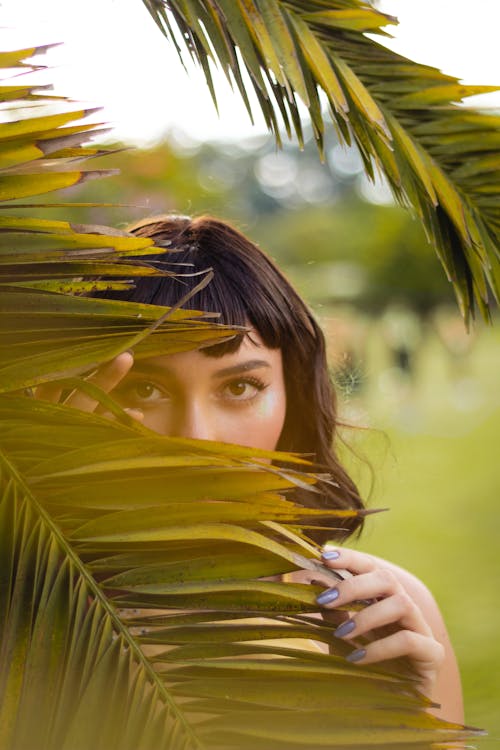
<point>248,288</point>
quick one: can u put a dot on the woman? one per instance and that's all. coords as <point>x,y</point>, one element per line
<point>270,389</point>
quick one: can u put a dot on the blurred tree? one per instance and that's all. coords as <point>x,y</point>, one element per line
<point>370,255</point>
<point>311,216</point>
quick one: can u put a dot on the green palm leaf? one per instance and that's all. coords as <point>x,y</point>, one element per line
<point>99,518</point>
<point>439,158</point>
<point>79,554</point>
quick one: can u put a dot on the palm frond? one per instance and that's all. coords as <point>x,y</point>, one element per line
<point>100,518</point>
<point>98,559</point>
<point>65,654</point>
<point>439,158</point>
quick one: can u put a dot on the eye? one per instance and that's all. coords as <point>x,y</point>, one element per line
<point>140,391</point>
<point>237,389</point>
<point>145,390</point>
<point>243,389</point>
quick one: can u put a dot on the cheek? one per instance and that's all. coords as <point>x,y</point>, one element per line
<point>271,410</point>
<point>158,421</point>
<point>261,426</point>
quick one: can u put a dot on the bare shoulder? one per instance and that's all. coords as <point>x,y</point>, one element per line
<point>448,691</point>
<point>420,594</point>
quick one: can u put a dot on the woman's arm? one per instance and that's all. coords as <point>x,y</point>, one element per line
<point>404,600</point>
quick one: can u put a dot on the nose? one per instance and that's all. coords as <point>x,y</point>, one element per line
<point>193,420</point>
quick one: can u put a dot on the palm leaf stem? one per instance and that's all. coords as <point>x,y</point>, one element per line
<point>97,594</point>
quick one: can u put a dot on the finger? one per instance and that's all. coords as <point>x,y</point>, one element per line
<point>107,377</point>
<point>379,582</point>
<point>48,392</point>
<point>426,653</point>
<point>398,608</point>
<point>356,562</point>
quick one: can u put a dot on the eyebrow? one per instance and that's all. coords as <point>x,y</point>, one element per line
<point>251,364</point>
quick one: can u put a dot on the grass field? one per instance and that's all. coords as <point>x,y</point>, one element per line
<point>434,447</point>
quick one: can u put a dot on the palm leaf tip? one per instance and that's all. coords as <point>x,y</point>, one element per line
<point>404,117</point>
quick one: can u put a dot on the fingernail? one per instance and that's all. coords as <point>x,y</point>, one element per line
<point>328,596</point>
<point>344,629</point>
<point>357,655</point>
<point>330,554</point>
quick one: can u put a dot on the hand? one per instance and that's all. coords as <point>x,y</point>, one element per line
<point>393,604</point>
<point>107,377</point>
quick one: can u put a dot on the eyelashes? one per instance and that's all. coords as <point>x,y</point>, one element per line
<point>233,388</point>
<point>129,391</point>
<point>234,391</point>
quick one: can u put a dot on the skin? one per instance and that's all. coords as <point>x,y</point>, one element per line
<point>240,398</point>
<point>237,398</point>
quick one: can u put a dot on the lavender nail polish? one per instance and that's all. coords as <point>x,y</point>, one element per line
<point>345,628</point>
<point>357,655</point>
<point>328,596</point>
<point>330,554</point>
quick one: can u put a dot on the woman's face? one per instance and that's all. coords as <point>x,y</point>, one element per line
<point>237,398</point>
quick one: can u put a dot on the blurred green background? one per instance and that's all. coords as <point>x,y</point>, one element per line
<point>433,450</point>
<point>426,390</point>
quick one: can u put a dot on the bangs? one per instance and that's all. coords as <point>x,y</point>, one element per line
<point>234,293</point>
<point>247,288</point>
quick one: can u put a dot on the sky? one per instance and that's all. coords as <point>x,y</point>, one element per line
<point>113,55</point>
